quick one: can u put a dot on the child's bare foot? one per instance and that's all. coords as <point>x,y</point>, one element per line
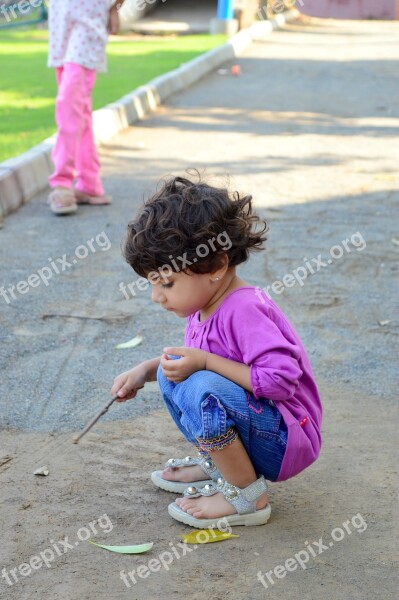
<point>212,507</point>
<point>185,474</point>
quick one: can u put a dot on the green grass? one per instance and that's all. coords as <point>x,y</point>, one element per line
<point>28,88</point>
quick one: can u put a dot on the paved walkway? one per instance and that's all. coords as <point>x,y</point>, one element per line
<point>310,129</point>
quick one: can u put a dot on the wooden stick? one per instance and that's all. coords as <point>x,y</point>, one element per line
<point>94,420</point>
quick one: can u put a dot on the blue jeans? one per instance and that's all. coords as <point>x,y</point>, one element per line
<point>211,410</point>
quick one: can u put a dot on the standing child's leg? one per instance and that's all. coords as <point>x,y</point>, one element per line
<point>69,118</point>
<point>89,188</point>
<point>69,115</point>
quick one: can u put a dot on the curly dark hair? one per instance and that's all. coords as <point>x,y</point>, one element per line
<point>182,217</point>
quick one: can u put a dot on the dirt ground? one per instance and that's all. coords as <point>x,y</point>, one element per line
<point>310,128</point>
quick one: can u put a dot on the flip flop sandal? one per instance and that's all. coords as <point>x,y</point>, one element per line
<point>83,198</point>
<point>243,499</point>
<point>206,464</point>
<point>62,202</point>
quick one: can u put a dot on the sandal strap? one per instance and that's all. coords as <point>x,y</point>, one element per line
<point>205,462</point>
<point>243,499</point>
<point>62,197</point>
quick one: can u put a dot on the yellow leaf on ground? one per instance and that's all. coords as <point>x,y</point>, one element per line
<point>206,536</point>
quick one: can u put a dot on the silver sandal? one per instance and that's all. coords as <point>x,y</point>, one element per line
<point>206,464</point>
<point>243,499</point>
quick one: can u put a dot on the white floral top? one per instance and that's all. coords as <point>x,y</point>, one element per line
<point>78,33</point>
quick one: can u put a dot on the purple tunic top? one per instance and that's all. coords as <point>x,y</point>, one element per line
<point>249,328</point>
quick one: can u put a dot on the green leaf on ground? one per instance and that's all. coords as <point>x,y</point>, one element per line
<point>140,549</point>
<point>136,341</point>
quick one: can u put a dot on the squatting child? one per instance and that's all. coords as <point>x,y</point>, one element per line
<point>241,389</point>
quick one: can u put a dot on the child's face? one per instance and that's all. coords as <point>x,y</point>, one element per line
<point>183,293</point>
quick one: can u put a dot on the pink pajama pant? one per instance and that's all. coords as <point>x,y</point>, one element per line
<point>75,154</point>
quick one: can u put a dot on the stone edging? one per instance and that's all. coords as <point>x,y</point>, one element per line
<point>24,176</point>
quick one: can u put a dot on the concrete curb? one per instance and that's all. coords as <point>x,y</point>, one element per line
<point>24,176</point>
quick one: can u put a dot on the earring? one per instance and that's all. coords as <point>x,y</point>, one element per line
<point>217,279</point>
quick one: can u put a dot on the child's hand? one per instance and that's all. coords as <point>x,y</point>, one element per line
<point>127,384</point>
<point>113,20</point>
<point>192,360</point>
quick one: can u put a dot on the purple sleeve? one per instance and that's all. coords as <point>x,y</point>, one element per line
<point>263,341</point>
<point>187,331</point>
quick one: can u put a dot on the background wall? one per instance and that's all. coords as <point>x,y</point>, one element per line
<point>351,9</point>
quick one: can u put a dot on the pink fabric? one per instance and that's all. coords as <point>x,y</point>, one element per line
<point>75,154</point>
<point>249,328</point>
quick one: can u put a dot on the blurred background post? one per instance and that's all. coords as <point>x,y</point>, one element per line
<point>225,22</point>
